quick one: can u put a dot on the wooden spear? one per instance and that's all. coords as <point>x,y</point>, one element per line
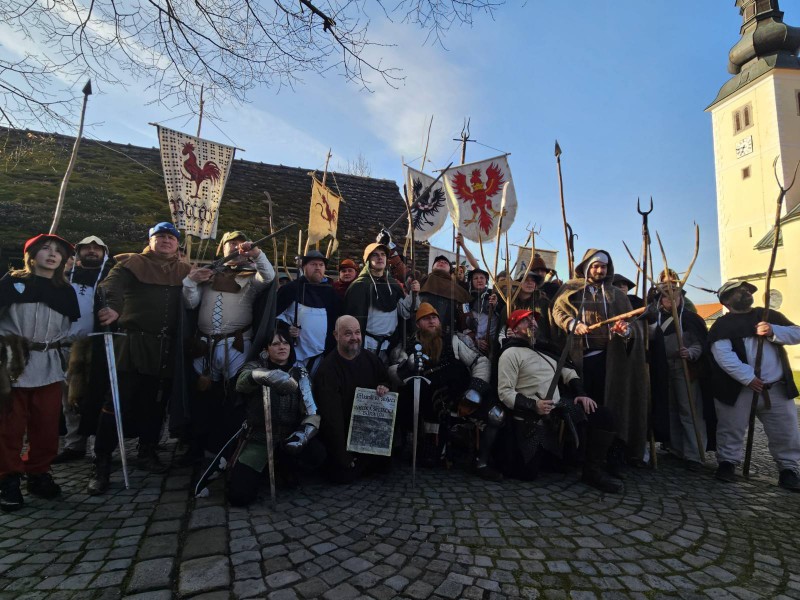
<point>62,193</point>
<point>748,454</point>
<point>570,257</point>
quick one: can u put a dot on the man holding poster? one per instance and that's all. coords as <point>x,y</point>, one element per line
<point>335,383</point>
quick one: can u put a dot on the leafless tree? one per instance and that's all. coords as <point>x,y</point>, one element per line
<point>359,166</point>
<point>174,47</point>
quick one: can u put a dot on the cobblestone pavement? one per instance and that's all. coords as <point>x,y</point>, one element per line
<point>674,533</point>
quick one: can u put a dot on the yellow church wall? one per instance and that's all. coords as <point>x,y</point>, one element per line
<point>746,205</point>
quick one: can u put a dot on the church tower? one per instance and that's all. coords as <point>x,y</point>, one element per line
<point>756,118</point>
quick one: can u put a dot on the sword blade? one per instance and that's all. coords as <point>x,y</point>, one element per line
<point>111,359</point>
<point>268,429</point>
<point>416,432</point>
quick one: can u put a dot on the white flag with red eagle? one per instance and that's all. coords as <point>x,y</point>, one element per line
<point>195,173</point>
<point>323,216</point>
<point>428,209</point>
<point>474,193</point>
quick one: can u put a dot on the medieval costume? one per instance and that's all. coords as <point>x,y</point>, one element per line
<point>335,386</point>
<point>734,344</point>
<point>293,419</point>
<point>627,286</point>
<point>223,342</point>
<point>378,302</point>
<point>611,366</point>
<point>36,311</point>
<point>524,377</point>
<point>347,274</point>
<point>534,300</point>
<point>672,415</point>
<point>313,308</point>
<point>459,384</point>
<point>448,297</point>
<point>145,291</point>
<point>87,375</point>
<point>482,321</point>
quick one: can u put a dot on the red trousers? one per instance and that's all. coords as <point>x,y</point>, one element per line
<point>37,411</point>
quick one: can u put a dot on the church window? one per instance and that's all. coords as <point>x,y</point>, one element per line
<point>797,95</point>
<point>742,118</point>
<point>746,173</point>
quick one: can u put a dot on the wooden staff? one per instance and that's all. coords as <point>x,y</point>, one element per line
<point>624,316</point>
<point>62,193</point>
<point>679,335</point>
<point>748,454</point>
<point>270,204</point>
<point>570,257</point>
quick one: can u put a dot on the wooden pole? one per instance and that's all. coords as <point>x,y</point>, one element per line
<point>62,193</point>
<point>570,258</point>
<point>270,204</point>
<point>324,178</point>
<point>200,116</point>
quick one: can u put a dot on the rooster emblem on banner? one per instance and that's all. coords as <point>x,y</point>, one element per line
<point>196,173</point>
<point>475,202</point>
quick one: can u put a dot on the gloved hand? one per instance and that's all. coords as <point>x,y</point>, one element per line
<point>278,380</point>
<point>295,443</point>
<point>416,360</point>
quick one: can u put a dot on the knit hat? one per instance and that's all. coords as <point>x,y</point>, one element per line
<point>424,310</point>
<point>518,316</point>
<point>164,227</point>
<point>600,257</point>
<point>347,264</point>
<point>49,236</point>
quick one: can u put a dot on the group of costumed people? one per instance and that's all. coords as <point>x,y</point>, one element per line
<point>563,378</point>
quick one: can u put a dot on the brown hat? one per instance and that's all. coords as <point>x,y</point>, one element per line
<point>424,310</point>
<point>372,247</point>
<point>538,263</point>
<point>347,264</point>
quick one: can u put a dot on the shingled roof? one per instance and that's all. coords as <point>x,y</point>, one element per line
<point>117,192</point>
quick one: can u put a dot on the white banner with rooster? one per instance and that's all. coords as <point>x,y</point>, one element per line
<point>195,173</point>
<point>323,217</point>
<point>474,194</point>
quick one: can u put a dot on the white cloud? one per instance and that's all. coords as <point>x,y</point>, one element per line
<point>434,85</point>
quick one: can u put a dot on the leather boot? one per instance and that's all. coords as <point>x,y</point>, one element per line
<point>594,469</point>
<point>148,459</point>
<point>101,473</point>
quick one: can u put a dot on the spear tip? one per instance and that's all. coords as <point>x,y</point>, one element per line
<point>87,89</point>
<point>558,149</point>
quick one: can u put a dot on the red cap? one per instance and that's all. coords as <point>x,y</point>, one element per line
<point>44,236</point>
<point>347,264</point>
<point>517,316</point>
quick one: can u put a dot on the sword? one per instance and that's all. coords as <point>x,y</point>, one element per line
<point>418,378</point>
<point>111,359</point>
<point>268,428</point>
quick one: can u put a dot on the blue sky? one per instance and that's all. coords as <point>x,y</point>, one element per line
<point>622,86</point>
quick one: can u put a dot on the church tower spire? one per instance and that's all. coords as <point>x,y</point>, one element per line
<point>767,43</point>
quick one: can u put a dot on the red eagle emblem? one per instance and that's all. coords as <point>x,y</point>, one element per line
<point>480,195</point>
<point>209,171</point>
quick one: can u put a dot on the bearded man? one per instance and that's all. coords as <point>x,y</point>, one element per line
<point>224,338</point>
<point>459,381</point>
<point>524,377</point>
<point>734,343</point>
<point>610,358</point>
<point>88,371</point>
<point>144,298</point>
<point>443,293</point>
<point>335,383</point>
<point>378,302</point>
